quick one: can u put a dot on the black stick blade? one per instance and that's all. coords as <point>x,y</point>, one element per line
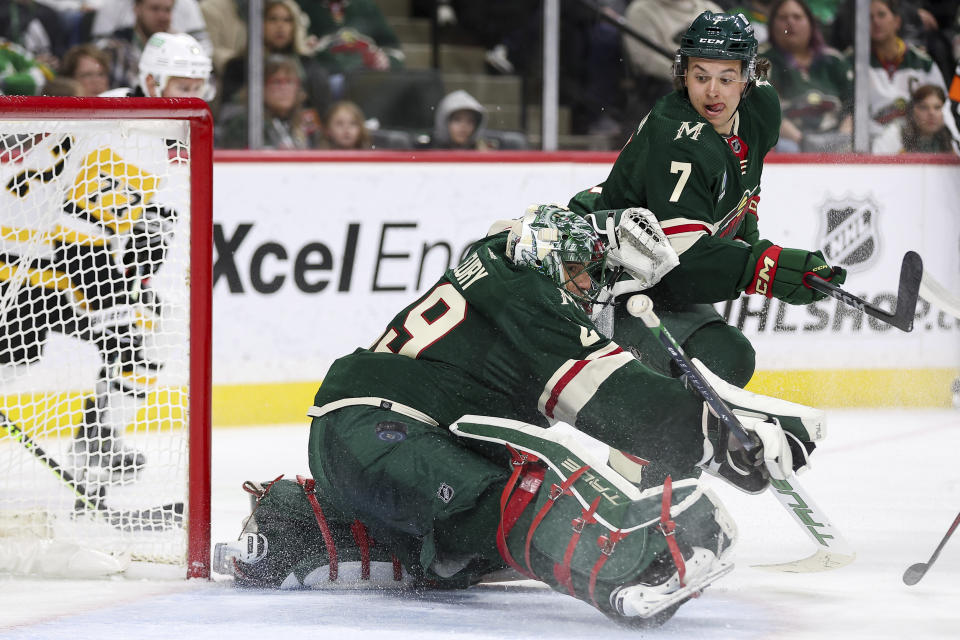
<point>908,292</point>
<point>914,572</point>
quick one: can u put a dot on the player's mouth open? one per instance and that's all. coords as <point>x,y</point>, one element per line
<point>715,109</point>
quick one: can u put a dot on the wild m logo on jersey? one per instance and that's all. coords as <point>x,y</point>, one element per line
<point>848,232</point>
<point>692,132</point>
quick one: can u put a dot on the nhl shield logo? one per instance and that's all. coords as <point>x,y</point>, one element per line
<point>848,232</point>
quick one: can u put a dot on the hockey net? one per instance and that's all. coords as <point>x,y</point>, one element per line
<point>105,218</point>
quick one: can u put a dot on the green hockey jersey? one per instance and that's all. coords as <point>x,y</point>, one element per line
<point>702,187</point>
<point>497,339</point>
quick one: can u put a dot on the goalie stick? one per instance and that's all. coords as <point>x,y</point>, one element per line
<point>911,272</point>
<point>152,519</point>
<point>915,572</point>
<point>834,551</point>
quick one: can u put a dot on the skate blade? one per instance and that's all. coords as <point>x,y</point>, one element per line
<point>645,603</point>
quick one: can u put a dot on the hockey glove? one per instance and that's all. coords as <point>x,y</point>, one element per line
<point>636,243</point>
<point>779,273</point>
<point>725,457</point>
<point>146,246</point>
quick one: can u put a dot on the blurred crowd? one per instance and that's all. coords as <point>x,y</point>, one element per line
<point>335,75</point>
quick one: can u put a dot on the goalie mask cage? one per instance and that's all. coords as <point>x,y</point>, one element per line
<point>105,339</point>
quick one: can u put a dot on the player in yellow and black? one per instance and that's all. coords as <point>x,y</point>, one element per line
<point>81,234</point>
<point>695,161</point>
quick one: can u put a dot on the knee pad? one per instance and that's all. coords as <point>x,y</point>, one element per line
<point>569,520</point>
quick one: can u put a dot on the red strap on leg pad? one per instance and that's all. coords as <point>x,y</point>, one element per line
<point>668,528</point>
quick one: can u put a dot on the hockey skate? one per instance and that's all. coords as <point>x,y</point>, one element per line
<point>660,592</point>
<point>98,455</point>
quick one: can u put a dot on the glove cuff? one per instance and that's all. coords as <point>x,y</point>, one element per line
<point>764,272</point>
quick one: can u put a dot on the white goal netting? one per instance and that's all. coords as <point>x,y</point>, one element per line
<point>94,344</point>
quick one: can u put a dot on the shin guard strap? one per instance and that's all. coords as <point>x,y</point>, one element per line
<point>555,492</point>
<point>309,489</point>
<point>562,571</point>
<point>513,503</point>
<point>363,543</point>
<point>607,544</point>
<point>668,528</point>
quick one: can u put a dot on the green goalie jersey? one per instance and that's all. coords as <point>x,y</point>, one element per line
<point>703,188</point>
<point>497,339</point>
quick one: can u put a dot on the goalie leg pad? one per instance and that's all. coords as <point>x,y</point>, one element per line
<point>294,539</point>
<point>571,521</point>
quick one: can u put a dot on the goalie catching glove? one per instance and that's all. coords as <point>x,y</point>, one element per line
<point>776,272</point>
<point>636,243</point>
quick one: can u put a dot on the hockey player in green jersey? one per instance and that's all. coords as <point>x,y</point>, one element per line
<point>434,462</point>
<point>695,161</point>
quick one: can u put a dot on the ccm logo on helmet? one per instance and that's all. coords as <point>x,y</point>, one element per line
<point>711,41</point>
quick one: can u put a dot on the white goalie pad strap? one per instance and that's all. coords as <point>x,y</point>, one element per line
<point>746,403</point>
<point>642,249</point>
<point>381,403</point>
<point>565,450</point>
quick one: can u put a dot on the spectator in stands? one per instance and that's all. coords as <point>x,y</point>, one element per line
<point>344,127</point>
<point>756,11</point>
<point>459,123</point>
<point>33,26</point>
<point>284,33</point>
<point>663,22</point>
<point>287,123</point>
<point>954,96</point>
<point>75,21</point>
<point>20,73</point>
<point>923,130</point>
<point>125,44</point>
<point>89,66</point>
<point>814,81</point>
<point>352,34</point>
<point>226,22</point>
<point>63,86</point>
<point>119,18</point>
<point>895,67</point>
<point>926,25</point>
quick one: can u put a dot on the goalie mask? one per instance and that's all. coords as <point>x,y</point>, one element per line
<point>169,55</point>
<point>561,245</point>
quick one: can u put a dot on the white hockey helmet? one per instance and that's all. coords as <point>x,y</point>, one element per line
<point>169,55</point>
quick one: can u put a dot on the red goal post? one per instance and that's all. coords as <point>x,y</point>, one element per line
<point>40,422</point>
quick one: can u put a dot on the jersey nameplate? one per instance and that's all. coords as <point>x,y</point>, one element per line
<point>469,271</point>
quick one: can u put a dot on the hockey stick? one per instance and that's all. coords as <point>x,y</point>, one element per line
<point>908,290</point>
<point>937,294</point>
<point>153,519</point>
<point>834,552</point>
<point>916,571</point>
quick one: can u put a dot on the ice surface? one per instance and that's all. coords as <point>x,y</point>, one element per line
<point>888,479</point>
